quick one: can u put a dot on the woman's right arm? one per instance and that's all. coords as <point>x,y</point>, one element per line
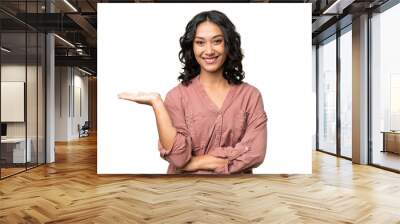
<point>175,143</point>
<point>166,131</point>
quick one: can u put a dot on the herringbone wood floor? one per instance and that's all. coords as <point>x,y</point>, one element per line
<point>70,191</point>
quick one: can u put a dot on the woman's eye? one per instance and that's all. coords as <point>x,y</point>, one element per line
<point>199,42</point>
<point>218,41</point>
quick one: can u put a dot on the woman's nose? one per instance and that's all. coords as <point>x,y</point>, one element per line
<point>209,49</point>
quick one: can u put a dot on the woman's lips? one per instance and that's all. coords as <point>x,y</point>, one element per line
<point>210,60</point>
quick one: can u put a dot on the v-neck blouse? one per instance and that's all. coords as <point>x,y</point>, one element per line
<point>236,132</point>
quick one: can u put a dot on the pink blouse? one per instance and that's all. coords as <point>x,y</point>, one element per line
<point>237,131</point>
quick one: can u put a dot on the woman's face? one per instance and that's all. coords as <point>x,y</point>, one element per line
<point>209,47</point>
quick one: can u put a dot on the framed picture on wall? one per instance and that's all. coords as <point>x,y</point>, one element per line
<point>12,101</point>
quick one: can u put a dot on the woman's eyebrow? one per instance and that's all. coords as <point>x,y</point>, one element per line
<point>220,35</point>
<point>216,36</point>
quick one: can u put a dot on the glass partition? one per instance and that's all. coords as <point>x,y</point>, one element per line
<point>32,95</point>
<point>22,77</point>
<point>41,91</point>
<point>13,95</point>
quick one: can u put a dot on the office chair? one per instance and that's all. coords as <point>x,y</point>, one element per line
<point>84,130</point>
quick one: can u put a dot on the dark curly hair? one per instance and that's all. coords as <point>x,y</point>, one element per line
<point>232,71</point>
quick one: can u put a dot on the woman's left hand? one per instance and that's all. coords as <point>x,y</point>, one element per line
<point>193,165</point>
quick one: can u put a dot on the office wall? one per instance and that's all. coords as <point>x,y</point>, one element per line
<point>71,102</point>
<point>15,72</point>
<point>61,103</point>
<point>80,102</point>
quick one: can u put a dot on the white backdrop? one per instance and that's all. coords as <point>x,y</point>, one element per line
<point>138,47</point>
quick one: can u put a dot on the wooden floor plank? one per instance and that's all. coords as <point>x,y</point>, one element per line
<point>70,191</point>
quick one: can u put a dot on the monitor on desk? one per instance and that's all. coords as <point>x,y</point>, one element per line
<point>3,130</point>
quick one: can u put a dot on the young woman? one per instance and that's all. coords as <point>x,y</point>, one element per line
<point>212,122</point>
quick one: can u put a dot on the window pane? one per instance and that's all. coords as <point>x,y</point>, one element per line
<point>386,88</point>
<point>346,94</point>
<point>327,96</point>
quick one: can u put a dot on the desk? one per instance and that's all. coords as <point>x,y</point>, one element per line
<point>15,148</point>
<point>391,141</point>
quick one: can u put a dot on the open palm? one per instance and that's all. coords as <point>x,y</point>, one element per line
<point>140,97</point>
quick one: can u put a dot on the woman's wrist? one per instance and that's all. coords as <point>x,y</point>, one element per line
<point>157,102</point>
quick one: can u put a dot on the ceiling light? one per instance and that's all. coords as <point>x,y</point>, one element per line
<point>5,50</point>
<point>64,40</point>
<point>70,5</point>
<point>338,6</point>
<point>84,71</point>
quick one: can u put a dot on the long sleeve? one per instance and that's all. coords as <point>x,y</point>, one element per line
<point>250,151</point>
<point>180,153</point>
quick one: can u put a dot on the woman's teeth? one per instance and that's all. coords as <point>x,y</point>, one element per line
<point>210,60</point>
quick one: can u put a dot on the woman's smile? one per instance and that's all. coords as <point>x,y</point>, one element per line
<point>210,60</point>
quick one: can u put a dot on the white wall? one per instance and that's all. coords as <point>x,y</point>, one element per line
<point>61,103</point>
<point>275,62</point>
<point>80,84</point>
<point>70,83</point>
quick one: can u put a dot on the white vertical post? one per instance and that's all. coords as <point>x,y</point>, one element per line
<point>360,90</point>
<point>50,92</point>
